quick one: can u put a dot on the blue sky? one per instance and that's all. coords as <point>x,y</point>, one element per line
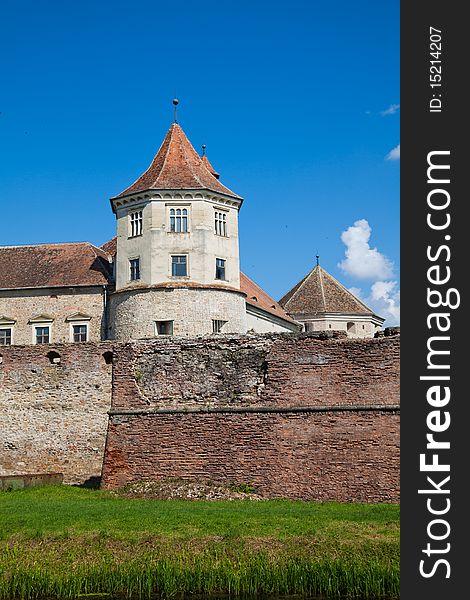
<point>297,102</point>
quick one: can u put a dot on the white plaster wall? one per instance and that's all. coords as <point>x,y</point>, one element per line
<point>157,243</point>
<point>260,325</point>
<point>362,328</point>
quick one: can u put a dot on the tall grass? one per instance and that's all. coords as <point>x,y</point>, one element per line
<point>66,543</point>
<point>204,574</point>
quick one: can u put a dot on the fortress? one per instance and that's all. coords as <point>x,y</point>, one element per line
<point>153,356</point>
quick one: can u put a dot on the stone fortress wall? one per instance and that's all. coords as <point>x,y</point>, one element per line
<point>54,401</point>
<point>296,415</point>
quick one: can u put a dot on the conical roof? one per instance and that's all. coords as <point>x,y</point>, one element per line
<point>209,167</point>
<point>177,165</point>
<point>318,293</point>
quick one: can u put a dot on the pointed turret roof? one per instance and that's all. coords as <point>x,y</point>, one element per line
<point>318,293</point>
<point>209,167</point>
<point>177,165</point>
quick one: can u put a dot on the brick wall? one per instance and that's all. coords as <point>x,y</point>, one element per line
<point>296,415</point>
<point>54,415</point>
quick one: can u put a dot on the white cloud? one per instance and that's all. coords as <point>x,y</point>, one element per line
<point>385,301</point>
<point>394,154</point>
<point>391,110</point>
<point>362,261</point>
<point>355,291</point>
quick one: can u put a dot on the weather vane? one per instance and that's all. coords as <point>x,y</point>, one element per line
<point>203,149</point>
<point>318,259</point>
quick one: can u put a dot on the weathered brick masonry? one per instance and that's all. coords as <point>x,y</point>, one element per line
<point>298,416</point>
<point>54,414</point>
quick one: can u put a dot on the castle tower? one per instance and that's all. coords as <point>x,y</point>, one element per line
<point>321,303</point>
<point>177,265</point>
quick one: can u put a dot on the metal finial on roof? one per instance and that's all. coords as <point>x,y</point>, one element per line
<point>203,149</point>
<point>175,104</point>
<point>318,259</point>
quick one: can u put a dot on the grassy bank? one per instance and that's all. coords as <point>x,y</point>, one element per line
<point>64,542</point>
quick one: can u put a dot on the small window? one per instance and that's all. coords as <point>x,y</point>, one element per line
<point>308,327</point>
<point>136,223</point>
<point>5,337</point>
<point>80,333</point>
<point>42,335</point>
<point>179,266</point>
<point>220,268</point>
<point>134,265</point>
<point>164,327</point>
<point>217,325</point>
<point>220,223</point>
<point>179,220</point>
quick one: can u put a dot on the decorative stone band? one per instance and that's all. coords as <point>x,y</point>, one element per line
<point>177,285</point>
<point>254,409</point>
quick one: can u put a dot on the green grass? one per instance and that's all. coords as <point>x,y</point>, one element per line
<point>64,542</point>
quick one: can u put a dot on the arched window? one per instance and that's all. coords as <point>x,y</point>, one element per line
<point>135,223</point>
<point>179,220</point>
<point>220,223</point>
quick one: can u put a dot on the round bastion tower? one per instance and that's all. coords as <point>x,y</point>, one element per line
<point>177,262</point>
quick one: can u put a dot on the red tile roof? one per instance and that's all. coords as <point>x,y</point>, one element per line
<point>255,296</point>
<point>110,247</point>
<point>177,165</point>
<point>319,293</point>
<point>53,265</point>
<point>209,167</point>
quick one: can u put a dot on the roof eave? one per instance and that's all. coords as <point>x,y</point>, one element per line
<point>232,197</point>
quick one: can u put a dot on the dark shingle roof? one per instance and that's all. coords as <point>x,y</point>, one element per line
<point>318,293</point>
<point>53,265</point>
<point>177,165</point>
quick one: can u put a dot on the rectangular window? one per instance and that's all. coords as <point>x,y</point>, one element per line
<point>136,223</point>
<point>164,327</point>
<point>220,268</point>
<point>79,333</point>
<point>220,223</point>
<point>134,265</point>
<point>42,335</point>
<point>179,220</point>
<point>217,325</point>
<point>5,337</point>
<point>179,266</point>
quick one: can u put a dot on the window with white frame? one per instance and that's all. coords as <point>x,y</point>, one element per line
<point>217,325</point>
<point>42,334</point>
<point>220,223</point>
<point>5,336</point>
<point>179,266</point>
<point>164,327</point>
<point>80,332</point>
<point>179,220</point>
<point>134,269</point>
<point>220,268</point>
<point>135,221</point>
